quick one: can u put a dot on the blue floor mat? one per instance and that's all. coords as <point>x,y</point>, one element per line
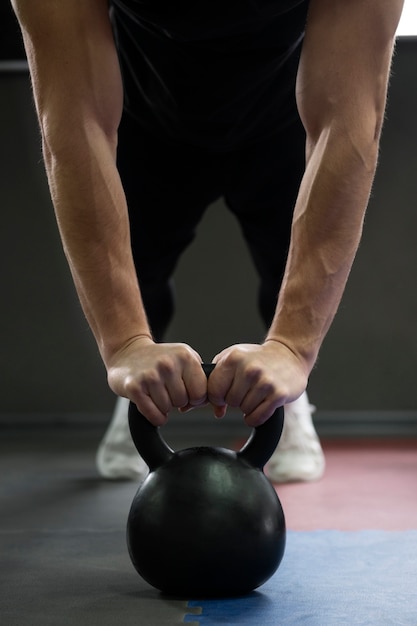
<point>330,578</point>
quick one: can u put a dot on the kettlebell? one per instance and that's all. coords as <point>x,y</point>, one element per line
<point>206,522</point>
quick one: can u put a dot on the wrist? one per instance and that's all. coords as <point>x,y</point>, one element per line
<point>111,351</point>
<point>305,358</point>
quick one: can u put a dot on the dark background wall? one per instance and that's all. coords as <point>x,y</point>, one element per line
<point>50,364</point>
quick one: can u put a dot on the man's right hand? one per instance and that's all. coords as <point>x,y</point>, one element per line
<point>158,377</point>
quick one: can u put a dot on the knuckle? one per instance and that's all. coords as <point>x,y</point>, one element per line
<point>188,353</point>
<point>254,372</point>
<point>166,366</point>
<point>281,394</point>
<point>185,353</point>
<point>131,386</point>
<point>232,358</point>
<point>268,387</point>
<point>149,378</point>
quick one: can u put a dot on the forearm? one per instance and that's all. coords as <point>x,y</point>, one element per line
<point>326,231</point>
<point>78,95</point>
<point>92,217</point>
<point>341,94</point>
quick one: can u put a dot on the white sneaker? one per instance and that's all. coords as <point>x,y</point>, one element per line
<point>299,455</point>
<point>117,457</point>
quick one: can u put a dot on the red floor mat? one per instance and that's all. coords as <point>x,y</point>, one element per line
<point>367,485</point>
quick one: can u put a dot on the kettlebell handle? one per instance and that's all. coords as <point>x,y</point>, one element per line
<point>156,452</point>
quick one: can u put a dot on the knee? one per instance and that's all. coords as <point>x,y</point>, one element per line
<point>159,303</point>
<point>267,301</point>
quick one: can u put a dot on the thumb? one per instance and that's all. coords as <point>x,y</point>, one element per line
<point>219,410</point>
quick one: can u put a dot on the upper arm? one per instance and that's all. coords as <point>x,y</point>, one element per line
<point>74,65</point>
<point>345,63</point>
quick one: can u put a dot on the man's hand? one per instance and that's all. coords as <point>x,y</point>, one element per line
<point>158,377</point>
<point>257,379</point>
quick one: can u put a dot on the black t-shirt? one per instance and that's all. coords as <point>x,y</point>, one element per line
<point>214,73</point>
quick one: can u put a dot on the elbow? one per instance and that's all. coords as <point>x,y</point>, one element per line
<point>67,139</point>
<point>354,133</point>
<point>353,119</point>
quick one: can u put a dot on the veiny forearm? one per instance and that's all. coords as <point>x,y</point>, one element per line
<point>326,231</point>
<point>78,95</point>
<point>92,217</point>
<point>341,95</point>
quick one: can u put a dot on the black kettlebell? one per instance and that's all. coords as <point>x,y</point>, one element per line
<point>206,522</point>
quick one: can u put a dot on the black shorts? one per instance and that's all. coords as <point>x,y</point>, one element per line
<point>169,185</point>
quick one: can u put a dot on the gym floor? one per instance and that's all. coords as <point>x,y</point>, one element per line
<point>350,556</point>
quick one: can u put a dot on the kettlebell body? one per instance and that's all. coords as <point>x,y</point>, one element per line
<point>206,522</point>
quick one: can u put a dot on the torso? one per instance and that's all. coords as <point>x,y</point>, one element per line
<point>215,72</point>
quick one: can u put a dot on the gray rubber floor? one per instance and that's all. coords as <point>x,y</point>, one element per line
<point>64,559</point>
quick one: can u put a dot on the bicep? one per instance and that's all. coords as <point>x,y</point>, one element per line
<point>345,63</point>
<point>73,63</point>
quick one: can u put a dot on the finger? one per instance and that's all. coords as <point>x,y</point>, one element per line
<point>219,411</point>
<point>159,395</point>
<point>195,382</point>
<point>262,391</point>
<point>177,392</point>
<point>153,414</point>
<point>237,392</point>
<point>260,414</point>
<point>219,383</point>
<point>190,407</point>
<point>252,400</point>
<point>141,394</point>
